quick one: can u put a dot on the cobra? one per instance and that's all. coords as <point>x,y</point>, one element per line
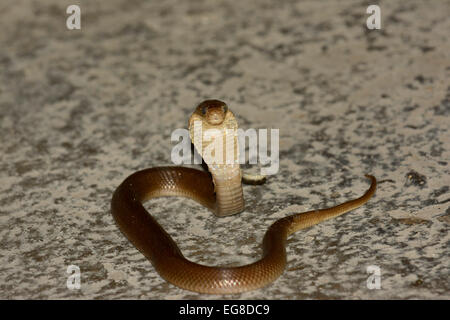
<point>219,190</point>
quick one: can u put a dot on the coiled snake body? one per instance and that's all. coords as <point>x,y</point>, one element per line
<point>221,192</point>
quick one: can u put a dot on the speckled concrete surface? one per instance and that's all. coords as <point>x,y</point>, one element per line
<point>81,110</point>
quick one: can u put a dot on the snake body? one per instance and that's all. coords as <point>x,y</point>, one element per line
<point>221,192</point>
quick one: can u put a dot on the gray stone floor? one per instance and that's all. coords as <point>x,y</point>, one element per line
<point>80,110</point>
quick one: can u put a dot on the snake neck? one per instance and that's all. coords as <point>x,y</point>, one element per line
<point>228,187</point>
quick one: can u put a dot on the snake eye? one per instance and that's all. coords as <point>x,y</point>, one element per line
<point>224,108</point>
<point>204,108</point>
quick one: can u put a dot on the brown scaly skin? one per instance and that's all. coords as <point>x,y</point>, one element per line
<point>155,243</point>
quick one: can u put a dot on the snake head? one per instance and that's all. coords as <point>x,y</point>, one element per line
<point>213,111</point>
<point>213,127</point>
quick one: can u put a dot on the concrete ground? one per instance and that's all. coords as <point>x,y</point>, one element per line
<point>80,110</point>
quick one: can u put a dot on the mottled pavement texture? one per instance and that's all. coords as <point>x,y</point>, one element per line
<point>80,110</point>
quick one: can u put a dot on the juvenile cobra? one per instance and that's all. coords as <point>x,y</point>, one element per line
<point>221,192</point>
